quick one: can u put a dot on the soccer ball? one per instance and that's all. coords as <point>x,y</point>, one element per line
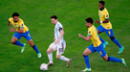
<point>44,67</point>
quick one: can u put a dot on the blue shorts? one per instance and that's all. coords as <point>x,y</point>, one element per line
<point>100,49</point>
<point>26,35</point>
<point>109,32</point>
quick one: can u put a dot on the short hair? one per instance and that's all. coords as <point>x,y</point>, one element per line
<point>15,14</point>
<point>54,16</point>
<point>89,20</point>
<point>102,2</point>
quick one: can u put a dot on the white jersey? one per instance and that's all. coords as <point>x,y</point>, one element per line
<point>58,26</point>
<point>60,47</point>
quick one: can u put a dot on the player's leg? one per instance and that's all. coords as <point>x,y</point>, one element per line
<point>60,55</point>
<point>86,52</point>
<point>31,43</point>
<point>15,41</point>
<point>60,51</point>
<point>64,58</point>
<point>110,33</point>
<point>105,57</point>
<point>105,43</point>
<point>50,50</point>
<point>86,59</point>
<point>100,30</point>
<point>114,59</point>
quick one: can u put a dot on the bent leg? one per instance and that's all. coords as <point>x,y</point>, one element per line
<point>50,50</point>
<point>86,57</point>
<point>31,43</point>
<point>100,30</point>
<point>110,33</point>
<point>60,56</point>
<point>15,41</point>
<point>109,58</point>
<point>112,59</point>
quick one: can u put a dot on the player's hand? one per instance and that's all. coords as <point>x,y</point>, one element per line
<point>12,30</point>
<point>80,35</point>
<point>97,21</point>
<point>21,30</point>
<point>57,41</point>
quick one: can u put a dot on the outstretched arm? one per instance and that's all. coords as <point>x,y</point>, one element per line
<point>105,21</point>
<point>11,29</point>
<point>85,38</point>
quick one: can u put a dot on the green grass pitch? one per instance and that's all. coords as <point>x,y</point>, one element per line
<point>36,14</point>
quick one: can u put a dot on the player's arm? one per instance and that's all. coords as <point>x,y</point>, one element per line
<point>61,33</point>
<point>61,30</point>
<point>84,37</point>
<point>11,29</point>
<point>21,28</point>
<point>106,19</point>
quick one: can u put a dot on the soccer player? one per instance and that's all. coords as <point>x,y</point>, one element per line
<point>17,26</point>
<point>106,26</point>
<point>96,46</point>
<point>59,43</point>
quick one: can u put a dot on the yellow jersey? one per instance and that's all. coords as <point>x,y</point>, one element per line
<point>103,15</point>
<point>94,36</point>
<point>19,24</point>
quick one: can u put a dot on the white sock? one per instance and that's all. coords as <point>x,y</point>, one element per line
<point>64,58</point>
<point>50,57</point>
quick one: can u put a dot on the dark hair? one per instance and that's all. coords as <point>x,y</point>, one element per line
<point>89,20</point>
<point>54,16</point>
<point>15,14</point>
<point>102,2</point>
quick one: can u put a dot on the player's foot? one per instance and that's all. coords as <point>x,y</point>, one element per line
<point>50,63</point>
<point>124,62</point>
<point>105,44</point>
<point>68,63</point>
<point>39,55</point>
<point>23,48</point>
<point>121,50</point>
<point>87,70</point>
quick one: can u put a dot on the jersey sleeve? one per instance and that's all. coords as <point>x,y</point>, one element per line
<point>60,27</point>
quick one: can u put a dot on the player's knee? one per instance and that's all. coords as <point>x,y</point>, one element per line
<point>48,51</point>
<point>85,53</point>
<point>99,32</point>
<point>112,37</point>
<point>58,56</point>
<point>13,42</point>
<point>105,58</point>
<point>30,42</point>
